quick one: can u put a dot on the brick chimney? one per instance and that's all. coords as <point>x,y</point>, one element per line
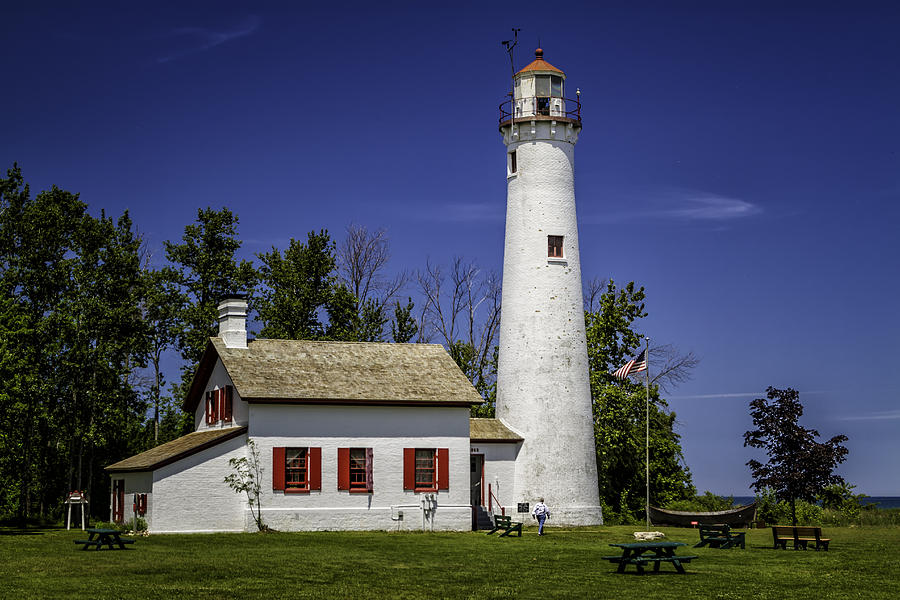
<point>233,320</point>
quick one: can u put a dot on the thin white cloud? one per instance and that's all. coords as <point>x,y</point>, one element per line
<point>887,415</point>
<point>674,204</point>
<point>201,39</point>
<point>723,395</point>
<point>711,208</point>
<point>473,212</point>
<point>726,395</point>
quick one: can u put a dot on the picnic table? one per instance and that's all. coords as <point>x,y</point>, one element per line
<point>104,537</point>
<point>640,554</point>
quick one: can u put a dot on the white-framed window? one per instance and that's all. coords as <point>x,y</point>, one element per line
<point>355,469</point>
<point>296,469</point>
<point>426,469</point>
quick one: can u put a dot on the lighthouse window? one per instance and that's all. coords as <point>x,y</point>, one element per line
<point>556,86</point>
<point>542,86</point>
<point>555,246</point>
<point>513,167</point>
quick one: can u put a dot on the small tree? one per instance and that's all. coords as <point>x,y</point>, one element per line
<point>799,467</point>
<point>404,327</point>
<point>246,478</point>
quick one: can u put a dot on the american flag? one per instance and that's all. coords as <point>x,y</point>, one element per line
<point>634,365</point>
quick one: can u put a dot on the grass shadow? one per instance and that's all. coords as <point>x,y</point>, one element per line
<point>18,531</point>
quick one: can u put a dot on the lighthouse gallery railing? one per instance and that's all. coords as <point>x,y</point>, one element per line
<point>506,110</point>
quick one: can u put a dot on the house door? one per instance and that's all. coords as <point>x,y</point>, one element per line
<point>477,479</point>
<point>118,501</point>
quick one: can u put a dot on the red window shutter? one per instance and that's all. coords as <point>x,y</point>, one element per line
<point>343,468</point>
<point>443,468</point>
<point>315,468</point>
<point>409,468</point>
<point>368,469</point>
<point>227,403</point>
<point>278,468</point>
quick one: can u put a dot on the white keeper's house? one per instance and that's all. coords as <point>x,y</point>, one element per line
<point>350,436</point>
<point>378,436</point>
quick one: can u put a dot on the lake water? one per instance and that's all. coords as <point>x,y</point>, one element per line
<point>882,501</point>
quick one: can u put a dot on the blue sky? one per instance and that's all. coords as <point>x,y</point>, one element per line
<point>740,160</point>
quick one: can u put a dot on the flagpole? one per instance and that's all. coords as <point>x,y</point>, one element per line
<point>647,414</point>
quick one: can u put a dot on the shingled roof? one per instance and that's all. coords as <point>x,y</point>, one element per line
<point>176,449</point>
<point>305,371</point>
<point>491,430</point>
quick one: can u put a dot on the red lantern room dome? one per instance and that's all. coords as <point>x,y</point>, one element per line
<point>539,64</point>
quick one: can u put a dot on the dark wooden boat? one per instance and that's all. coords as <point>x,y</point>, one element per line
<point>739,516</point>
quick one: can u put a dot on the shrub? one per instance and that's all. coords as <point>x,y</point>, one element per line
<point>708,502</point>
<point>778,512</point>
<point>840,498</point>
<point>111,525</point>
<point>611,517</point>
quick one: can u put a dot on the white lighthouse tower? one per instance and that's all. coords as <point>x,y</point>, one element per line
<point>543,388</point>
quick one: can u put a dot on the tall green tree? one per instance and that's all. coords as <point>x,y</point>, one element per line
<point>206,269</point>
<point>105,342</point>
<point>302,297</point>
<point>12,365</point>
<point>38,237</point>
<point>296,287</point>
<point>799,467</point>
<point>619,412</point>
<point>162,306</point>
<point>71,338</point>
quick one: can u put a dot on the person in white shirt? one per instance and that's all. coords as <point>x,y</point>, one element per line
<point>541,513</point>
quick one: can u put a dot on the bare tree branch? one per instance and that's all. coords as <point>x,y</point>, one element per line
<point>462,306</point>
<point>671,367</point>
<point>592,290</point>
<point>362,259</point>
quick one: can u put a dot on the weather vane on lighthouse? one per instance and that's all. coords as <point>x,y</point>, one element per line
<point>510,44</point>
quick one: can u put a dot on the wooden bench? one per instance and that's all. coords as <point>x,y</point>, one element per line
<point>801,536</point>
<point>720,536</point>
<point>505,523</point>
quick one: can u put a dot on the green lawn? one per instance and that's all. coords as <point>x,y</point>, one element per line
<point>862,563</point>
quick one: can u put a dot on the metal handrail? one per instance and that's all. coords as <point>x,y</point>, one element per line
<point>491,498</point>
<point>506,114</point>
